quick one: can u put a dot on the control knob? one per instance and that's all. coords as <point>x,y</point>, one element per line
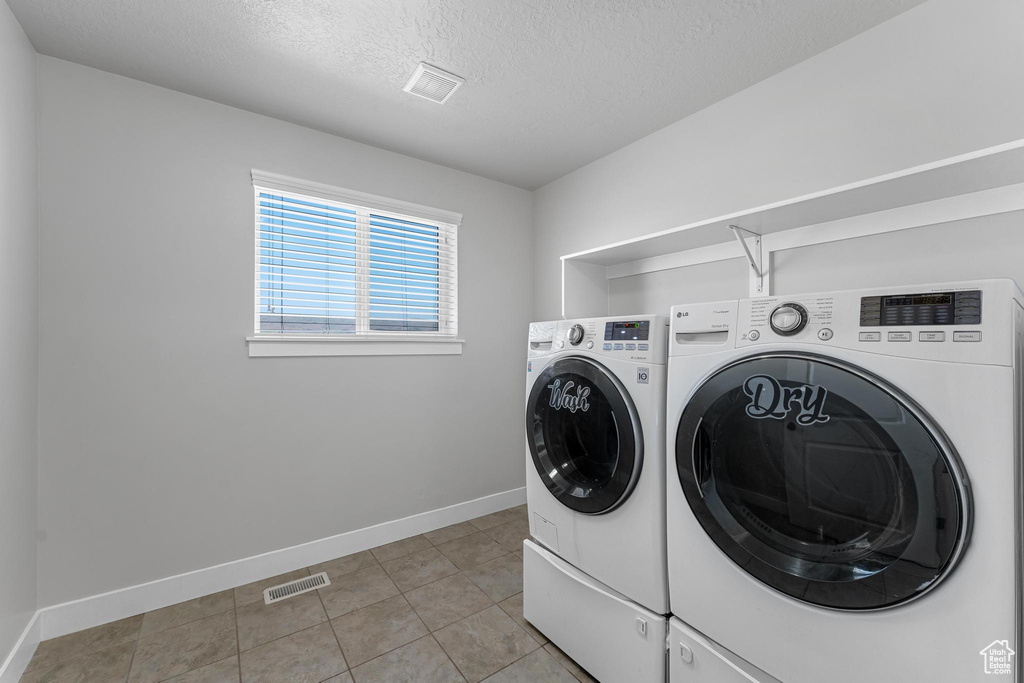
<point>575,334</point>
<point>788,319</point>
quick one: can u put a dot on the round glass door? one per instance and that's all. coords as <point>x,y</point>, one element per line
<point>584,435</point>
<point>822,482</point>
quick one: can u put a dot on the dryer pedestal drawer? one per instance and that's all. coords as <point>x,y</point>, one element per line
<point>607,634</point>
<point>692,658</point>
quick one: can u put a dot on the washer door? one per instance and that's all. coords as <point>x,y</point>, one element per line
<point>822,482</point>
<point>584,434</point>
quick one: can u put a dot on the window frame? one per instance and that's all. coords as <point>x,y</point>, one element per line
<point>363,341</point>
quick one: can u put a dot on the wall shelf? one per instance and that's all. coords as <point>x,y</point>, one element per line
<point>979,183</point>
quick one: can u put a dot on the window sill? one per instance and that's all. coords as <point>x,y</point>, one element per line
<point>293,346</point>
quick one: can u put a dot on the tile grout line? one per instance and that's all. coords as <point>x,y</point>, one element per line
<point>135,649</point>
<point>185,673</point>
<point>301,630</point>
<point>460,571</point>
<point>330,623</point>
<point>138,636</point>
<point>431,631</point>
<point>545,647</point>
<point>202,666</point>
<point>69,660</point>
<point>449,656</point>
<point>128,675</point>
<point>238,641</point>
<point>186,623</point>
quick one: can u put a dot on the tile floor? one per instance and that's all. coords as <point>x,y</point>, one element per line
<point>443,606</point>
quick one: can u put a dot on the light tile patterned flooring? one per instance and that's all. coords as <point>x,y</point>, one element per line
<point>443,606</point>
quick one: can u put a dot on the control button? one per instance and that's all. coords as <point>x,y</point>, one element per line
<point>590,345</point>
<point>870,336</point>
<point>931,336</point>
<point>618,347</point>
<point>753,335</point>
<point>901,336</point>
<point>575,334</point>
<point>561,343</point>
<point>825,333</point>
<point>642,347</point>
<point>631,347</point>
<point>967,336</point>
<point>788,319</point>
<point>607,347</point>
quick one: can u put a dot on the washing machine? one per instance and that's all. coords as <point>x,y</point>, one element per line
<point>595,484</point>
<point>844,481</point>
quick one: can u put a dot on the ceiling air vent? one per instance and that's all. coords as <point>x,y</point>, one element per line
<point>432,83</point>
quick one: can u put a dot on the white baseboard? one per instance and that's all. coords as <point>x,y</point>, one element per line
<point>21,655</point>
<point>59,620</point>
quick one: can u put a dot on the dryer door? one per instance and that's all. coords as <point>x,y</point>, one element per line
<point>584,435</point>
<point>822,482</point>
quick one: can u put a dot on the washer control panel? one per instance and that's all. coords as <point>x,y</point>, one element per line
<point>639,338</point>
<point>627,335</point>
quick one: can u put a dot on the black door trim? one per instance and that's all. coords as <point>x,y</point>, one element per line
<point>629,438</point>
<point>691,468</point>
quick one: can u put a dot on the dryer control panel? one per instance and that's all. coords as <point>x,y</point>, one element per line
<point>964,322</point>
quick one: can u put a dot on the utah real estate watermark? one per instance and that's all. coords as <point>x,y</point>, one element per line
<point>998,658</point>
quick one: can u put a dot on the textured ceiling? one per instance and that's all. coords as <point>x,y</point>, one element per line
<point>550,84</point>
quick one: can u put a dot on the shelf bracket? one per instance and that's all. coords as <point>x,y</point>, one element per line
<point>753,257</point>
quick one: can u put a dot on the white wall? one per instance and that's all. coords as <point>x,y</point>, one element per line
<point>941,79</point>
<point>18,330</point>
<point>164,448</point>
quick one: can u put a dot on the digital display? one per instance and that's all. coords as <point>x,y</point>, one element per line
<point>905,310</point>
<point>919,300</point>
<point>627,330</point>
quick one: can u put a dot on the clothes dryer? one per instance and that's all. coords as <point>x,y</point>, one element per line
<point>844,481</point>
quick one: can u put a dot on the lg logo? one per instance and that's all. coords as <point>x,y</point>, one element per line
<point>682,314</point>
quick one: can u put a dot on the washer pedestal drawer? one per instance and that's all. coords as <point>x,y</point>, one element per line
<point>606,633</point>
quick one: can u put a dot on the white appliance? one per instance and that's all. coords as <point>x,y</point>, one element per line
<point>595,484</point>
<point>844,481</point>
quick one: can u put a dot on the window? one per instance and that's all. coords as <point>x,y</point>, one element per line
<point>333,265</point>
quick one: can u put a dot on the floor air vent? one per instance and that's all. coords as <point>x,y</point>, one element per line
<point>287,590</point>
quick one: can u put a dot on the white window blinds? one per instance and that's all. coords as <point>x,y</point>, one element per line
<point>331,267</point>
